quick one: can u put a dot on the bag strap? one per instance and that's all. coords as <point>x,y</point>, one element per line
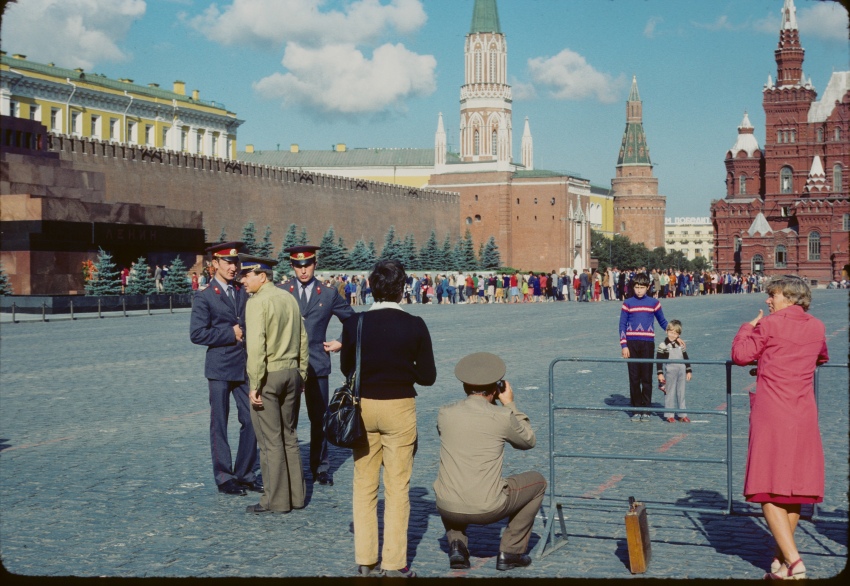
<point>356,388</point>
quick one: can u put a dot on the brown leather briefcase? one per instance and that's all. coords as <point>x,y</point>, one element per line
<point>637,537</point>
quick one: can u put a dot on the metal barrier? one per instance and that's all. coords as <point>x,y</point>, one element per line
<point>555,508</point>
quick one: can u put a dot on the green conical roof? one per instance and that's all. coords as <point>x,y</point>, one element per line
<point>485,17</point>
<point>634,150</point>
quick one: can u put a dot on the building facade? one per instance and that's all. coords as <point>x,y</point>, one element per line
<point>787,205</point>
<point>694,237</point>
<point>74,103</point>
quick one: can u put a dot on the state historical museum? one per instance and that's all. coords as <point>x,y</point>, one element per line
<point>786,208</point>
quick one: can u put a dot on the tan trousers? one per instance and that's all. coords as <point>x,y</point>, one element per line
<point>280,458</point>
<point>524,494</point>
<point>391,434</point>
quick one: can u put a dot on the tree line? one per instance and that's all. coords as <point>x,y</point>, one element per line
<point>621,252</point>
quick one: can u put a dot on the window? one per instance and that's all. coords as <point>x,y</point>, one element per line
<point>164,137</point>
<point>468,220</point>
<point>778,136</point>
<point>492,65</point>
<point>477,218</point>
<point>786,185</point>
<point>114,132</point>
<point>133,132</point>
<point>820,134</point>
<point>837,183</point>
<point>535,201</point>
<point>475,142</point>
<point>35,112</point>
<point>698,251</point>
<point>95,127</point>
<point>742,185</point>
<point>199,143</point>
<point>184,140</point>
<point>738,243</point>
<point>517,201</point>
<point>758,263</point>
<point>478,66</point>
<point>77,123</point>
<point>55,119</point>
<point>814,246</point>
<point>622,226</point>
<point>494,143</point>
<point>837,133</point>
<point>780,258</point>
<point>793,135</point>
<point>845,223</point>
<point>214,145</point>
<point>229,145</point>
<point>14,109</point>
<point>149,134</point>
<point>476,197</point>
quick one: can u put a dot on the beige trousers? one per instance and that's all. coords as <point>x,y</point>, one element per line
<point>391,435</point>
<point>280,458</point>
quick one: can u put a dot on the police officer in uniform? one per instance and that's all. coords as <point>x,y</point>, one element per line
<point>218,322</point>
<point>318,303</point>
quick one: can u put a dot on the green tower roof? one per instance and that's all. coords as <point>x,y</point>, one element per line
<point>634,151</point>
<point>485,17</point>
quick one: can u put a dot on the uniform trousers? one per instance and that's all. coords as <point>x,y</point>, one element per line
<point>674,381</point>
<point>390,427</point>
<point>523,497</point>
<point>640,373</point>
<point>280,458</point>
<point>247,463</point>
<point>316,397</point>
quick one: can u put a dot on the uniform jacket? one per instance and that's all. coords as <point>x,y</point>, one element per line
<point>277,339</point>
<point>324,303</point>
<point>785,453</point>
<point>473,433</point>
<point>211,325</point>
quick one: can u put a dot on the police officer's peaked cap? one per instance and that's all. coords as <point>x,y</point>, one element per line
<point>479,369</point>
<point>250,262</point>
<point>226,250</point>
<point>302,256</point>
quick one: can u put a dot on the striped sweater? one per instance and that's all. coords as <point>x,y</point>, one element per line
<point>637,318</point>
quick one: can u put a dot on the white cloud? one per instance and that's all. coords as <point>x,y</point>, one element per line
<point>721,24</point>
<point>825,20</point>
<point>72,33</point>
<point>570,77</point>
<point>274,22</point>
<point>522,90</point>
<point>339,78</point>
<point>651,24</point>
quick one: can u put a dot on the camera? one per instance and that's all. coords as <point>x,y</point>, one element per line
<point>500,386</point>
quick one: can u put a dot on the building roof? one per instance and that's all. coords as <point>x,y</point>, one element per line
<point>356,157</point>
<point>103,81</point>
<point>485,17</point>
<point>539,173</point>
<point>839,84</point>
<point>746,139</point>
<point>789,15</point>
<point>759,226</point>
<point>634,150</point>
<point>634,96</point>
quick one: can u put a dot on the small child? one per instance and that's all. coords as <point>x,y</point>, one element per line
<point>672,377</point>
<point>637,340</point>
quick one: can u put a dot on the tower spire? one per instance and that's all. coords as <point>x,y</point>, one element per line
<point>527,147</point>
<point>789,54</point>
<point>485,17</point>
<point>634,150</point>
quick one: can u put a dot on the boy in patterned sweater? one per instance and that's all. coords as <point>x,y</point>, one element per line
<point>637,340</point>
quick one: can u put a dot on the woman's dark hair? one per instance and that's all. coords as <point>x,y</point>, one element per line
<point>387,280</point>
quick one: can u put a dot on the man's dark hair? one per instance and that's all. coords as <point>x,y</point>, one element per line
<point>480,389</point>
<point>387,280</point>
<point>267,272</point>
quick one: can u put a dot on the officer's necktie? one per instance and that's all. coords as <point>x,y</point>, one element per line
<point>302,300</point>
<point>230,293</point>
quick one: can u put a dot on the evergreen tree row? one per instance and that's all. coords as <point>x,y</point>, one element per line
<point>335,256</point>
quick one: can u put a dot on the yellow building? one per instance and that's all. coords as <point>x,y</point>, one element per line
<point>76,103</point>
<point>692,236</point>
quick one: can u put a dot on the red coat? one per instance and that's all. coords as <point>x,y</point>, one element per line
<point>785,454</point>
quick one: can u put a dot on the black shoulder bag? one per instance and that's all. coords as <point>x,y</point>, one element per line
<point>342,423</point>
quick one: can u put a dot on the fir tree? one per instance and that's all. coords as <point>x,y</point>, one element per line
<point>302,240</point>
<point>490,257</point>
<point>373,255</point>
<point>392,246</point>
<point>177,279</point>
<point>446,257</point>
<point>407,253</point>
<point>360,259</point>
<point>249,237</point>
<point>328,251</point>
<point>5,285</point>
<point>266,248</point>
<point>223,236</point>
<point>140,281</point>
<point>106,279</point>
<point>284,268</point>
<point>429,255</point>
<point>342,253</point>
<point>466,253</point>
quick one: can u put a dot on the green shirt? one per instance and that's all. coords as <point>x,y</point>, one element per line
<point>275,335</point>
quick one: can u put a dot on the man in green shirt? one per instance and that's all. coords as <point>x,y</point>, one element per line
<point>276,341</point>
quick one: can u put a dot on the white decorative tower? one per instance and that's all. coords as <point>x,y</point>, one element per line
<point>527,148</point>
<point>485,97</point>
<point>440,144</point>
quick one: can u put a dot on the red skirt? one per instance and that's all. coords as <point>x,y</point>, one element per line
<point>782,499</point>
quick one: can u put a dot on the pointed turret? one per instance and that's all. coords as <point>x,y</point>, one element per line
<point>485,17</point>
<point>527,147</point>
<point>816,182</point>
<point>789,54</point>
<point>440,143</point>
<point>760,226</point>
<point>746,139</point>
<point>634,150</point>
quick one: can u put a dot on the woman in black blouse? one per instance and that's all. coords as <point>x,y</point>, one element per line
<point>395,354</point>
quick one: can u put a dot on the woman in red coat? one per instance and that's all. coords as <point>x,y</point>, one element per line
<point>785,464</point>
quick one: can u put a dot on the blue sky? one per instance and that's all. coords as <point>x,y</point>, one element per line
<point>375,73</point>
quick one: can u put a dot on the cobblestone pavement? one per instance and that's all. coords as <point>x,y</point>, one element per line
<point>104,453</point>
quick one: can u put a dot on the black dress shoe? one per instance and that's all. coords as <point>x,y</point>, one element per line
<point>256,486</point>
<point>509,561</point>
<point>257,509</point>
<point>232,487</point>
<point>324,478</point>
<point>458,555</point>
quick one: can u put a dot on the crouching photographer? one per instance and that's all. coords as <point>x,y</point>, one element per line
<point>470,489</point>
